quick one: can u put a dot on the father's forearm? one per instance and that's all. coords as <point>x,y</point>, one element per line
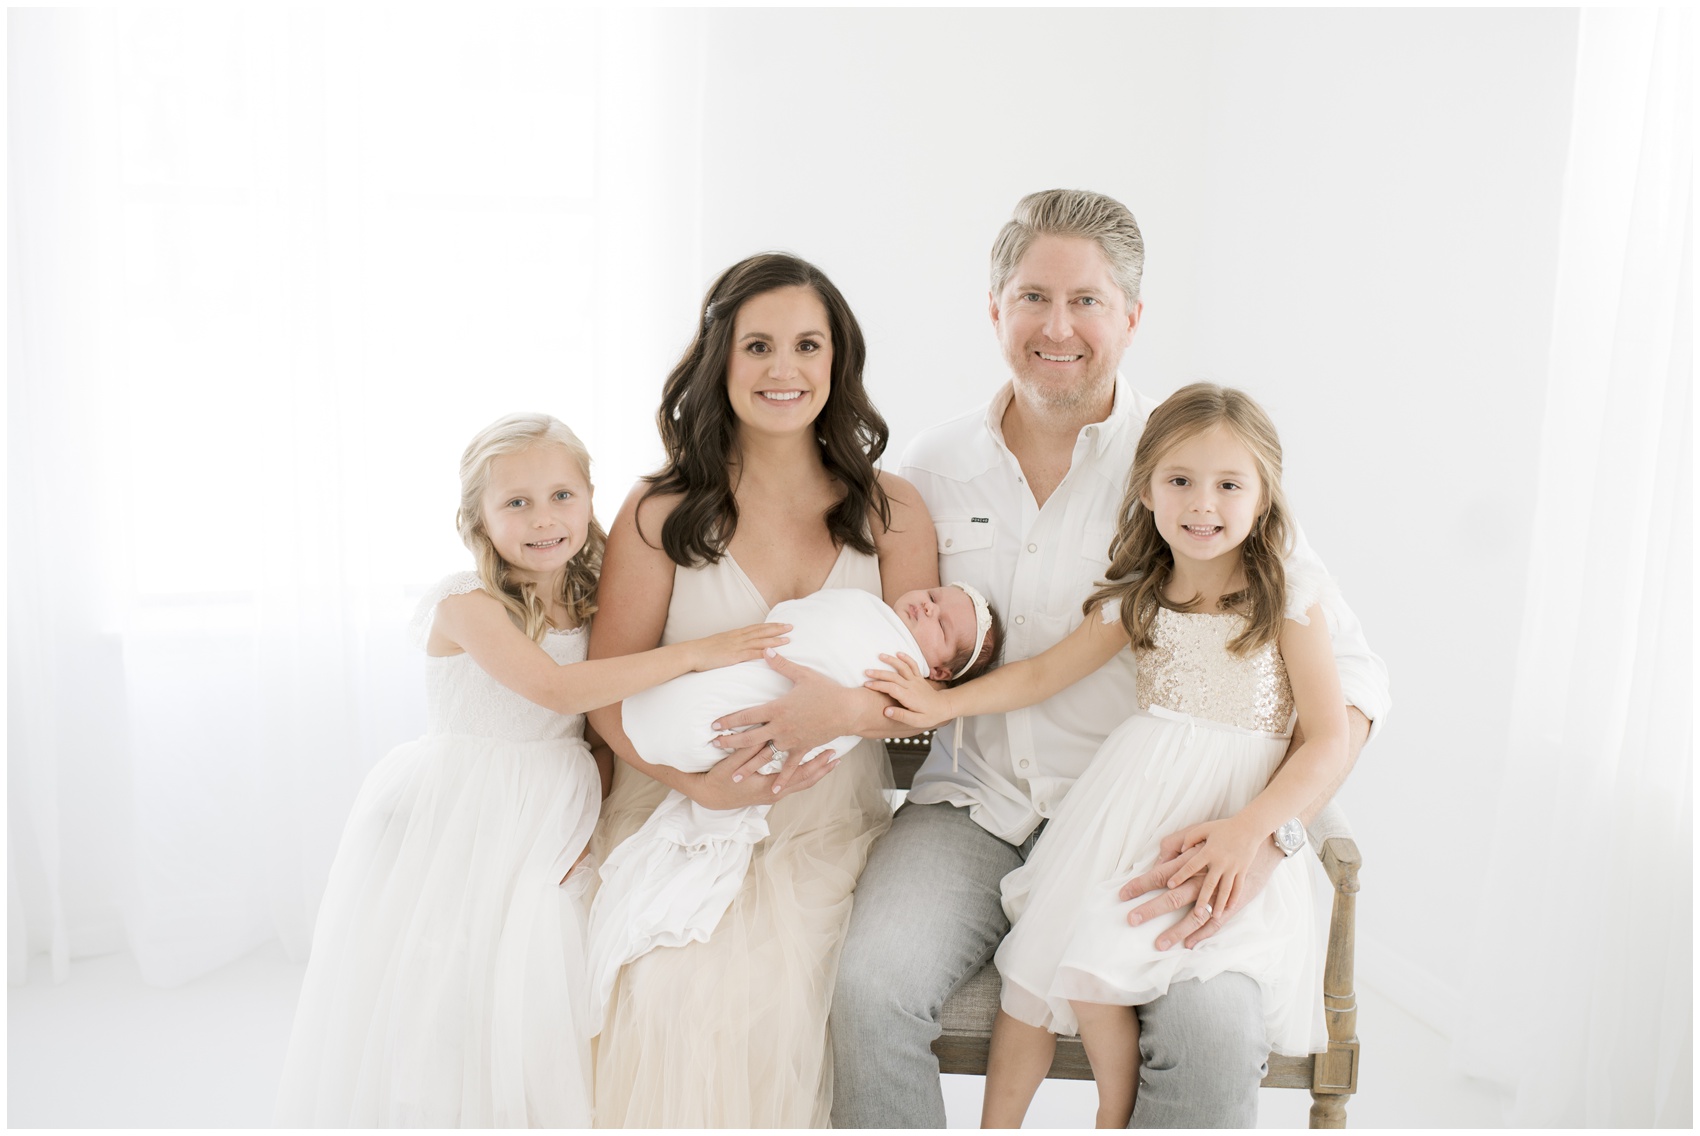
<point>1357,733</point>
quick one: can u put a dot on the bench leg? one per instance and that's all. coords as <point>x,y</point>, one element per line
<point>1327,1110</point>
<point>1334,1078</point>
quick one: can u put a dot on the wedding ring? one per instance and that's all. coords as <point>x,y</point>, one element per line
<point>1208,910</point>
<point>777,752</point>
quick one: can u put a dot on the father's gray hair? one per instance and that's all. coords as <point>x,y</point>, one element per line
<point>1073,213</point>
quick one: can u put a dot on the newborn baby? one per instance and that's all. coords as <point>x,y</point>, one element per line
<point>672,880</point>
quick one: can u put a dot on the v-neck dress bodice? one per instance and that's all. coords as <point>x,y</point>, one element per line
<point>717,597</point>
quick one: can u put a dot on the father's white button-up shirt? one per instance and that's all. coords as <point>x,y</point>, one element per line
<point>1037,566</point>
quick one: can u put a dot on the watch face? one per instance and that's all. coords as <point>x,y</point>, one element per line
<point>1290,836</point>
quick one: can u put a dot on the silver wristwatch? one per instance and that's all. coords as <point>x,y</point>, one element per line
<point>1290,837</point>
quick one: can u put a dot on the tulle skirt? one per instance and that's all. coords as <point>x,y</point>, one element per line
<point>446,984</point>
<point>1156,774</point>
<point>732,1032</point>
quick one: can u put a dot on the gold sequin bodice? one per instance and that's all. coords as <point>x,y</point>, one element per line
<point>1191,671</point>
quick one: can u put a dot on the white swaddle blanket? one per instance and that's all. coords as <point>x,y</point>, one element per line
<point>670,882</point>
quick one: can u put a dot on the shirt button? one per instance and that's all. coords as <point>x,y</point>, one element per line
<point>948,542</point>
<point>1032,548</point>
<point>1021,619</point>
<point>1024,763</point>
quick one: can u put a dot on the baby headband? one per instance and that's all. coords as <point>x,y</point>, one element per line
<point>982,624</point>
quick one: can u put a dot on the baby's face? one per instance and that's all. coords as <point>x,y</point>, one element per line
<point>942,621</point>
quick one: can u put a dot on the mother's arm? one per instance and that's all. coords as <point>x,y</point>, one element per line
<point>632,599</point>
<point>909,549</point>
<point>816,709</point>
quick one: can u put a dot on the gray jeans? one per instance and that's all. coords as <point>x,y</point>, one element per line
<point>928,914</point>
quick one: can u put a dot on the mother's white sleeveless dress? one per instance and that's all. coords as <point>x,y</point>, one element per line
<point>732,1033</point>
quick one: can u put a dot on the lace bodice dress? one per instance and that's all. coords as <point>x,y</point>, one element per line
<point>446,983</point>
<point>462,699</point>
<point>1210,730</point>
<point>731,1033</point>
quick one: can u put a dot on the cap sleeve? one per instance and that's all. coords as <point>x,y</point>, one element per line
<point>1111,610</point>
<point>458,584</point>
<point>1308,584</point>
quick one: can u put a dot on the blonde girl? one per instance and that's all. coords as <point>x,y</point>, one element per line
<point>1231,646</point>
<point>446,986</point>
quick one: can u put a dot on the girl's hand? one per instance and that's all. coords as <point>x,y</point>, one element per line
<point>923,706</point>
<point>1218,855</point>
<point>738,646</point>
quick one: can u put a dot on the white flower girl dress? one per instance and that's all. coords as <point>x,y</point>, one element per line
<point>446,986</point>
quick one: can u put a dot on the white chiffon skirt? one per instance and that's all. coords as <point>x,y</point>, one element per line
<point>1155,774</point>
<point>446,985</point>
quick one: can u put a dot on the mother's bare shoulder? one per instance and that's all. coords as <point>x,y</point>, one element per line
<point>908,511</point>
<point>643,513</point>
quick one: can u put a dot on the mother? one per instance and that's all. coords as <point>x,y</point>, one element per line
<point>769,492</point>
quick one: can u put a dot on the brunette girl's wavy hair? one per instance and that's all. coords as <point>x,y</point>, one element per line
<point>510,435</point>
<point>700,432</point>
<point>1141,562</point>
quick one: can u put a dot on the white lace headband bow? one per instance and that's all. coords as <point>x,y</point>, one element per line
<point>982,624</point>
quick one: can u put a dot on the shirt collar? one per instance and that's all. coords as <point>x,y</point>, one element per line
<point>1099,434</point>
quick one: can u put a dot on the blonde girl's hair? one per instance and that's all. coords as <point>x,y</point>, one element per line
<point>1141,561</point>
<point>510,435</point>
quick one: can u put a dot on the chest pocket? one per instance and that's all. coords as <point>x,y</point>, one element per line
<point>1095,544</point>
<point>957,537</point>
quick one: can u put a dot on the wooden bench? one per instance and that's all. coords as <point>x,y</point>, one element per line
<point>1331,1077</point>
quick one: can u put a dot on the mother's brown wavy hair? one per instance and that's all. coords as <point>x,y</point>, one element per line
<point>1141,562</point>
<point>700,432</point>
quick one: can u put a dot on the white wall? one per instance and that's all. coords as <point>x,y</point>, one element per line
<point>1353,214</point>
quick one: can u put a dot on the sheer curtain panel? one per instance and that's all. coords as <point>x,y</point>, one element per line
<point>1583,1002</point>
<point>270,269</point>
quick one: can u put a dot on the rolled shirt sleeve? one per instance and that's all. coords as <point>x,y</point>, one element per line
<point>1363,676</point>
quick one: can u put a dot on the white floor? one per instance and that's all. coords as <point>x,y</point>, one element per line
<point>104,1051</point>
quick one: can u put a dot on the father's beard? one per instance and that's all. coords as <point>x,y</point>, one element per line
<point>1087,399</point>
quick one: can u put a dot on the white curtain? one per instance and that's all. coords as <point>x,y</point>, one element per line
<point>1583,994</point>
<point>269,270</point>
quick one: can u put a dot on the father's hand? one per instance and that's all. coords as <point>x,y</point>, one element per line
<point>1198,925</point>
<point>813,712</point>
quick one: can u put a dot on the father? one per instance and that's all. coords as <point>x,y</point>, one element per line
<point>1024,494</point>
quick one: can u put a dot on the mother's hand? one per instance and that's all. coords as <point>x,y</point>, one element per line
<point>813,712</point>
<point>735,781</point>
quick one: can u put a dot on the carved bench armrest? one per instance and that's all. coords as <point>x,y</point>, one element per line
<point>1341,860</point>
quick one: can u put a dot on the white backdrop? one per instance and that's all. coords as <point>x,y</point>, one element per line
<point>268,271</point>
